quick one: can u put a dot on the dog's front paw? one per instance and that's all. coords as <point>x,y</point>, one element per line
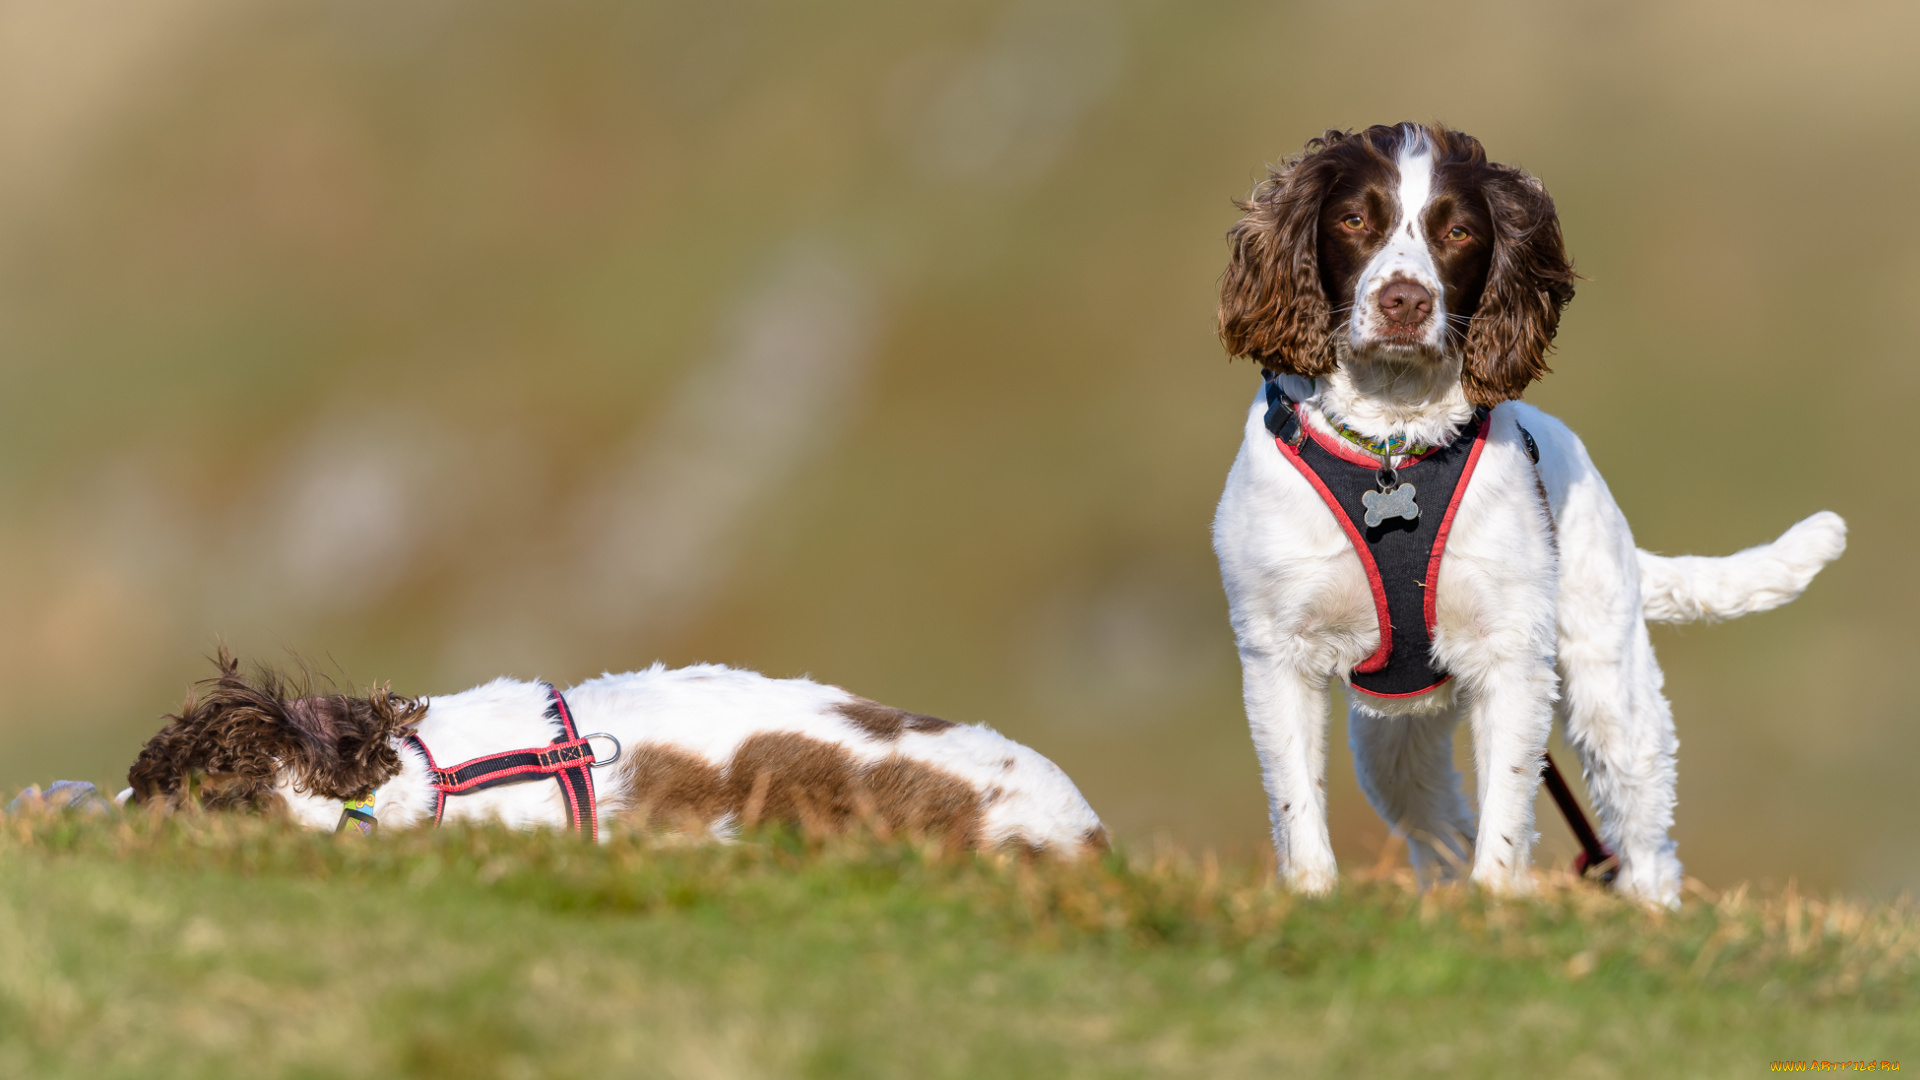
<point>1311,880</point>
<point>1501,880</point>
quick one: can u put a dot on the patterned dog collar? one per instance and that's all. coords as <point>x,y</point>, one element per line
<point>1392,445</point>
<point>358,814</point>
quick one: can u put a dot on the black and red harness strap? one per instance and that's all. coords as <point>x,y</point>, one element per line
<point>568,759</point>
<point>1401,558</point>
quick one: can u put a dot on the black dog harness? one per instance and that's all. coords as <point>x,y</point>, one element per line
<point>568,759</point>
<point>1401,555</point>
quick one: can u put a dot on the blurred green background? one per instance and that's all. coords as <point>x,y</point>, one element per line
<point>436,341</point>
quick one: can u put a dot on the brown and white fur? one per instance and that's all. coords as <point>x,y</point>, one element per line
<point>705,748</point>
<point>1394,279</point>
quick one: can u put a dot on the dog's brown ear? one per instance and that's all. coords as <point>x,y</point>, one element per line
<point>1529,280</point>
<point>222,749</point>
<point>348,746</point>
<point>1273,307</point>
<point>229,743</point>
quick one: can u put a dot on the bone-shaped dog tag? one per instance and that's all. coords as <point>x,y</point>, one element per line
<point>1382,505</point>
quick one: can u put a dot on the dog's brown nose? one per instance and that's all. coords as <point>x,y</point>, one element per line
<point>1405,302</point>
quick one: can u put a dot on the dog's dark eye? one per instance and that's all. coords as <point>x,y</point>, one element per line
<point>1354,222</point>
<point>1458,233</point>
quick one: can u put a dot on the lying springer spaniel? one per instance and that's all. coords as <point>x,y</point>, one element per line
<point>706,748</point>
<point>1398,520</point>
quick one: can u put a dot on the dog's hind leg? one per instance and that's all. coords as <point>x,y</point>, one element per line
<point>1405,766</point>
<point>1619,724</point>
<point>1615,714</point>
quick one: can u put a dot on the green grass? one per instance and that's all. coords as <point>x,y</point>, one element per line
<point>206,947</point>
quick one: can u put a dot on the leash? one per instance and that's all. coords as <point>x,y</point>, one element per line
<point>569,759</point>
<point>1593,853</point>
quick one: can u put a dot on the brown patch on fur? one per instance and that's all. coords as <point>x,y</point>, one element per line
<point>916,798</point>
<point>671,787</point>
<point>1022,849</point>
<point>227,745</point>
<point>814,785</point>
<point>1095,839</point>
<point>1546,507</point>
<point>886,722</point>
<point>791,778</point>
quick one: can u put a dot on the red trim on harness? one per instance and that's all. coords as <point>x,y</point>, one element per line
<point>1444,679</point>
<point>1347,452</point>
<point>558,758</point>
<point>1380,655</point>
<point>439,796</point>
<point>1446,524</point>
<point>577,781</point>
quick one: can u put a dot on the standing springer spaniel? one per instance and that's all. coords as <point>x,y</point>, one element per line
<point>707,749</point>
<point>1398,520</point>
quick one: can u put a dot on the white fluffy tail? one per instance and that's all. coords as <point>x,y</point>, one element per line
<point>1684,588</point>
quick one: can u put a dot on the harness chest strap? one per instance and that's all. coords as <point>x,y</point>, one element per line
<point>1401,557</point>
<point>569,759</point>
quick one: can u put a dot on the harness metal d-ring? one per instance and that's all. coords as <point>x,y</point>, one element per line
<point>1386,475</point>
<point>617,749</point>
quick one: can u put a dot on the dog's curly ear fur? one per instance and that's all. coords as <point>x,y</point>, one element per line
<point>1273,306</point>
<point>230,741</point>
<point>1528,283</point>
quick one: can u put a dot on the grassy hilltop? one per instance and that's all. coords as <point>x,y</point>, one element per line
<point>237,947</point>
